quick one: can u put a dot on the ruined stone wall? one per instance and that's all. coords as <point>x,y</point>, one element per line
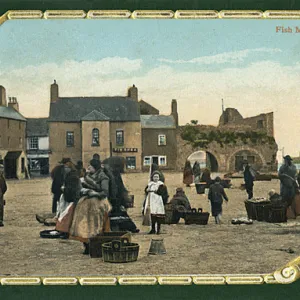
<point>264,154</point>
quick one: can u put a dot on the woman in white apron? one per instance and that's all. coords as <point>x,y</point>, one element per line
<point>157,197</point>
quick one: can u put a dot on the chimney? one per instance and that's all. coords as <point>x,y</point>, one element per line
<point>2,96</point>
<point>54,96</point>
<point>133,93</point>
<point>174,112</point>
<point>13,103</point>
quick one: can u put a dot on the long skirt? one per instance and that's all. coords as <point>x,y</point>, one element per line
<point>65,213</point>
<point>188,177</point>
<point>216,208</point>
<point>90,218</point>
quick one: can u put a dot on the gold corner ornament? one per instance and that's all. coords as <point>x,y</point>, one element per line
<point>149,14</point>
<point>284,275</point>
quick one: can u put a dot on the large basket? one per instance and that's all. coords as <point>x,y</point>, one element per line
<point>194,217</point>
<point>262,209</point>
<point>96,242</point>
<point>120,251</point>
<point>200,188</point>
<point>250,208</point>
<point>278,214</point>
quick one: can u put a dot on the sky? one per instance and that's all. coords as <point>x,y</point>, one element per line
<point>198,62</point>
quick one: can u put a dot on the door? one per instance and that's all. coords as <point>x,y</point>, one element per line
<point>155,160</point>
<point>130,162</point>
<point>239,163</point>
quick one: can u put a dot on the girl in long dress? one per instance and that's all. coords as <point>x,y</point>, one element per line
<point>188,177</point>
<point>157,197</point>
<point>91,212</point>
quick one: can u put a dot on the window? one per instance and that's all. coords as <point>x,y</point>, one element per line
<point>20,142</point>
<point>120,137</point>
<point>162,161</point>
<point>147,161</point>
<point>95,137</point>
<point>70,139</point>
<point>162,140</point>
<point>130,162</point>
<point>34,143</point>
<point>260,124</point>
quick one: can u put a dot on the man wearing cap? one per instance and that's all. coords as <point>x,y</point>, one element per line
<point>288,182</point>
<point>58,175</point>
<point>3,189</point>
<point>248,179</point>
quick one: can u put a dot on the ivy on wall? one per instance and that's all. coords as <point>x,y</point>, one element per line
<point>197,138</point>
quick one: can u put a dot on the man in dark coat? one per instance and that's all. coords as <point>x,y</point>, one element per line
<point>58,175</point>
<point>215,195</point>
<point>288,183</point>
<point>249,180</point>
<point>3,189</point>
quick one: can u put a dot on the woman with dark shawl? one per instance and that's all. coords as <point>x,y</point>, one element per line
<point>215,195</point>
<point>180,199</point>
<point>188,177</point>
<point>206,176</point>
<point>157,197</point>
<point>91,212</point>
<point>119,198</point>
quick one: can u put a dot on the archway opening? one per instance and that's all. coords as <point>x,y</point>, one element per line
<point>205,159</point>
<point>245,155</point>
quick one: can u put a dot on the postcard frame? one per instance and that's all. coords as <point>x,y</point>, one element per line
<point>286,274</point>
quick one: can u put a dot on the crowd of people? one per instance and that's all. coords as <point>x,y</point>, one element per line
<point>87,202</point>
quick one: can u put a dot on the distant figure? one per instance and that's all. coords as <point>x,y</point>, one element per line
<point>80,169</point>
<point>206,176</point>
<point>58,175</point>
<point>157,197</point>
<point>188,177</point>
<point>180,198</point>
<point>3,189</point>
<point>288,182</point>
<point>96,156</point>
<point>249,179</point>
<point>215,195</point>
<point>196,169</point>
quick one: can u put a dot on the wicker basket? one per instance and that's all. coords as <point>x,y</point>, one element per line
<point>120,251</point>
<point>96,242</point>
<point>262,208</point>
<point>278,214</point>
<point>250,208</point>
<point>194,217</point>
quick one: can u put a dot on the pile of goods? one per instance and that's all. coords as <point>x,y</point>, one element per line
<point>262,209</point>
<point>173,213</point>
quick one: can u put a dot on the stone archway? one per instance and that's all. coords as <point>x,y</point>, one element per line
<point>231,159</point>
<point>206,159</point>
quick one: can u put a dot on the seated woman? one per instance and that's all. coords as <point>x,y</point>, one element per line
<point>180,199</point>
<point>157,197</point>
<point>91,212</point>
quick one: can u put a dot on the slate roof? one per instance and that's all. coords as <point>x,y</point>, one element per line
<point>73,109</point>
<point>10,113</point>
<point>157,121</point>
<point>37,127</point>
<point>95,115</point>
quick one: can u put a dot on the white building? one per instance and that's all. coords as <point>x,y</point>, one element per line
<point>37,139</point>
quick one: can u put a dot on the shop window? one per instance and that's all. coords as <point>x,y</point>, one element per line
<point>34,143</point>
<point>130,162</point>
<point>70,139</point>
<point>120,137</point>
<point>95,137</point>
<point>162,140</point>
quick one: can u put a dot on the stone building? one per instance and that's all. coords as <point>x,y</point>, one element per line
<point>159,139</point>
<point>229,157</point>
<point>37,136</point>
<point>12,137</point>
<point>82,126</point>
